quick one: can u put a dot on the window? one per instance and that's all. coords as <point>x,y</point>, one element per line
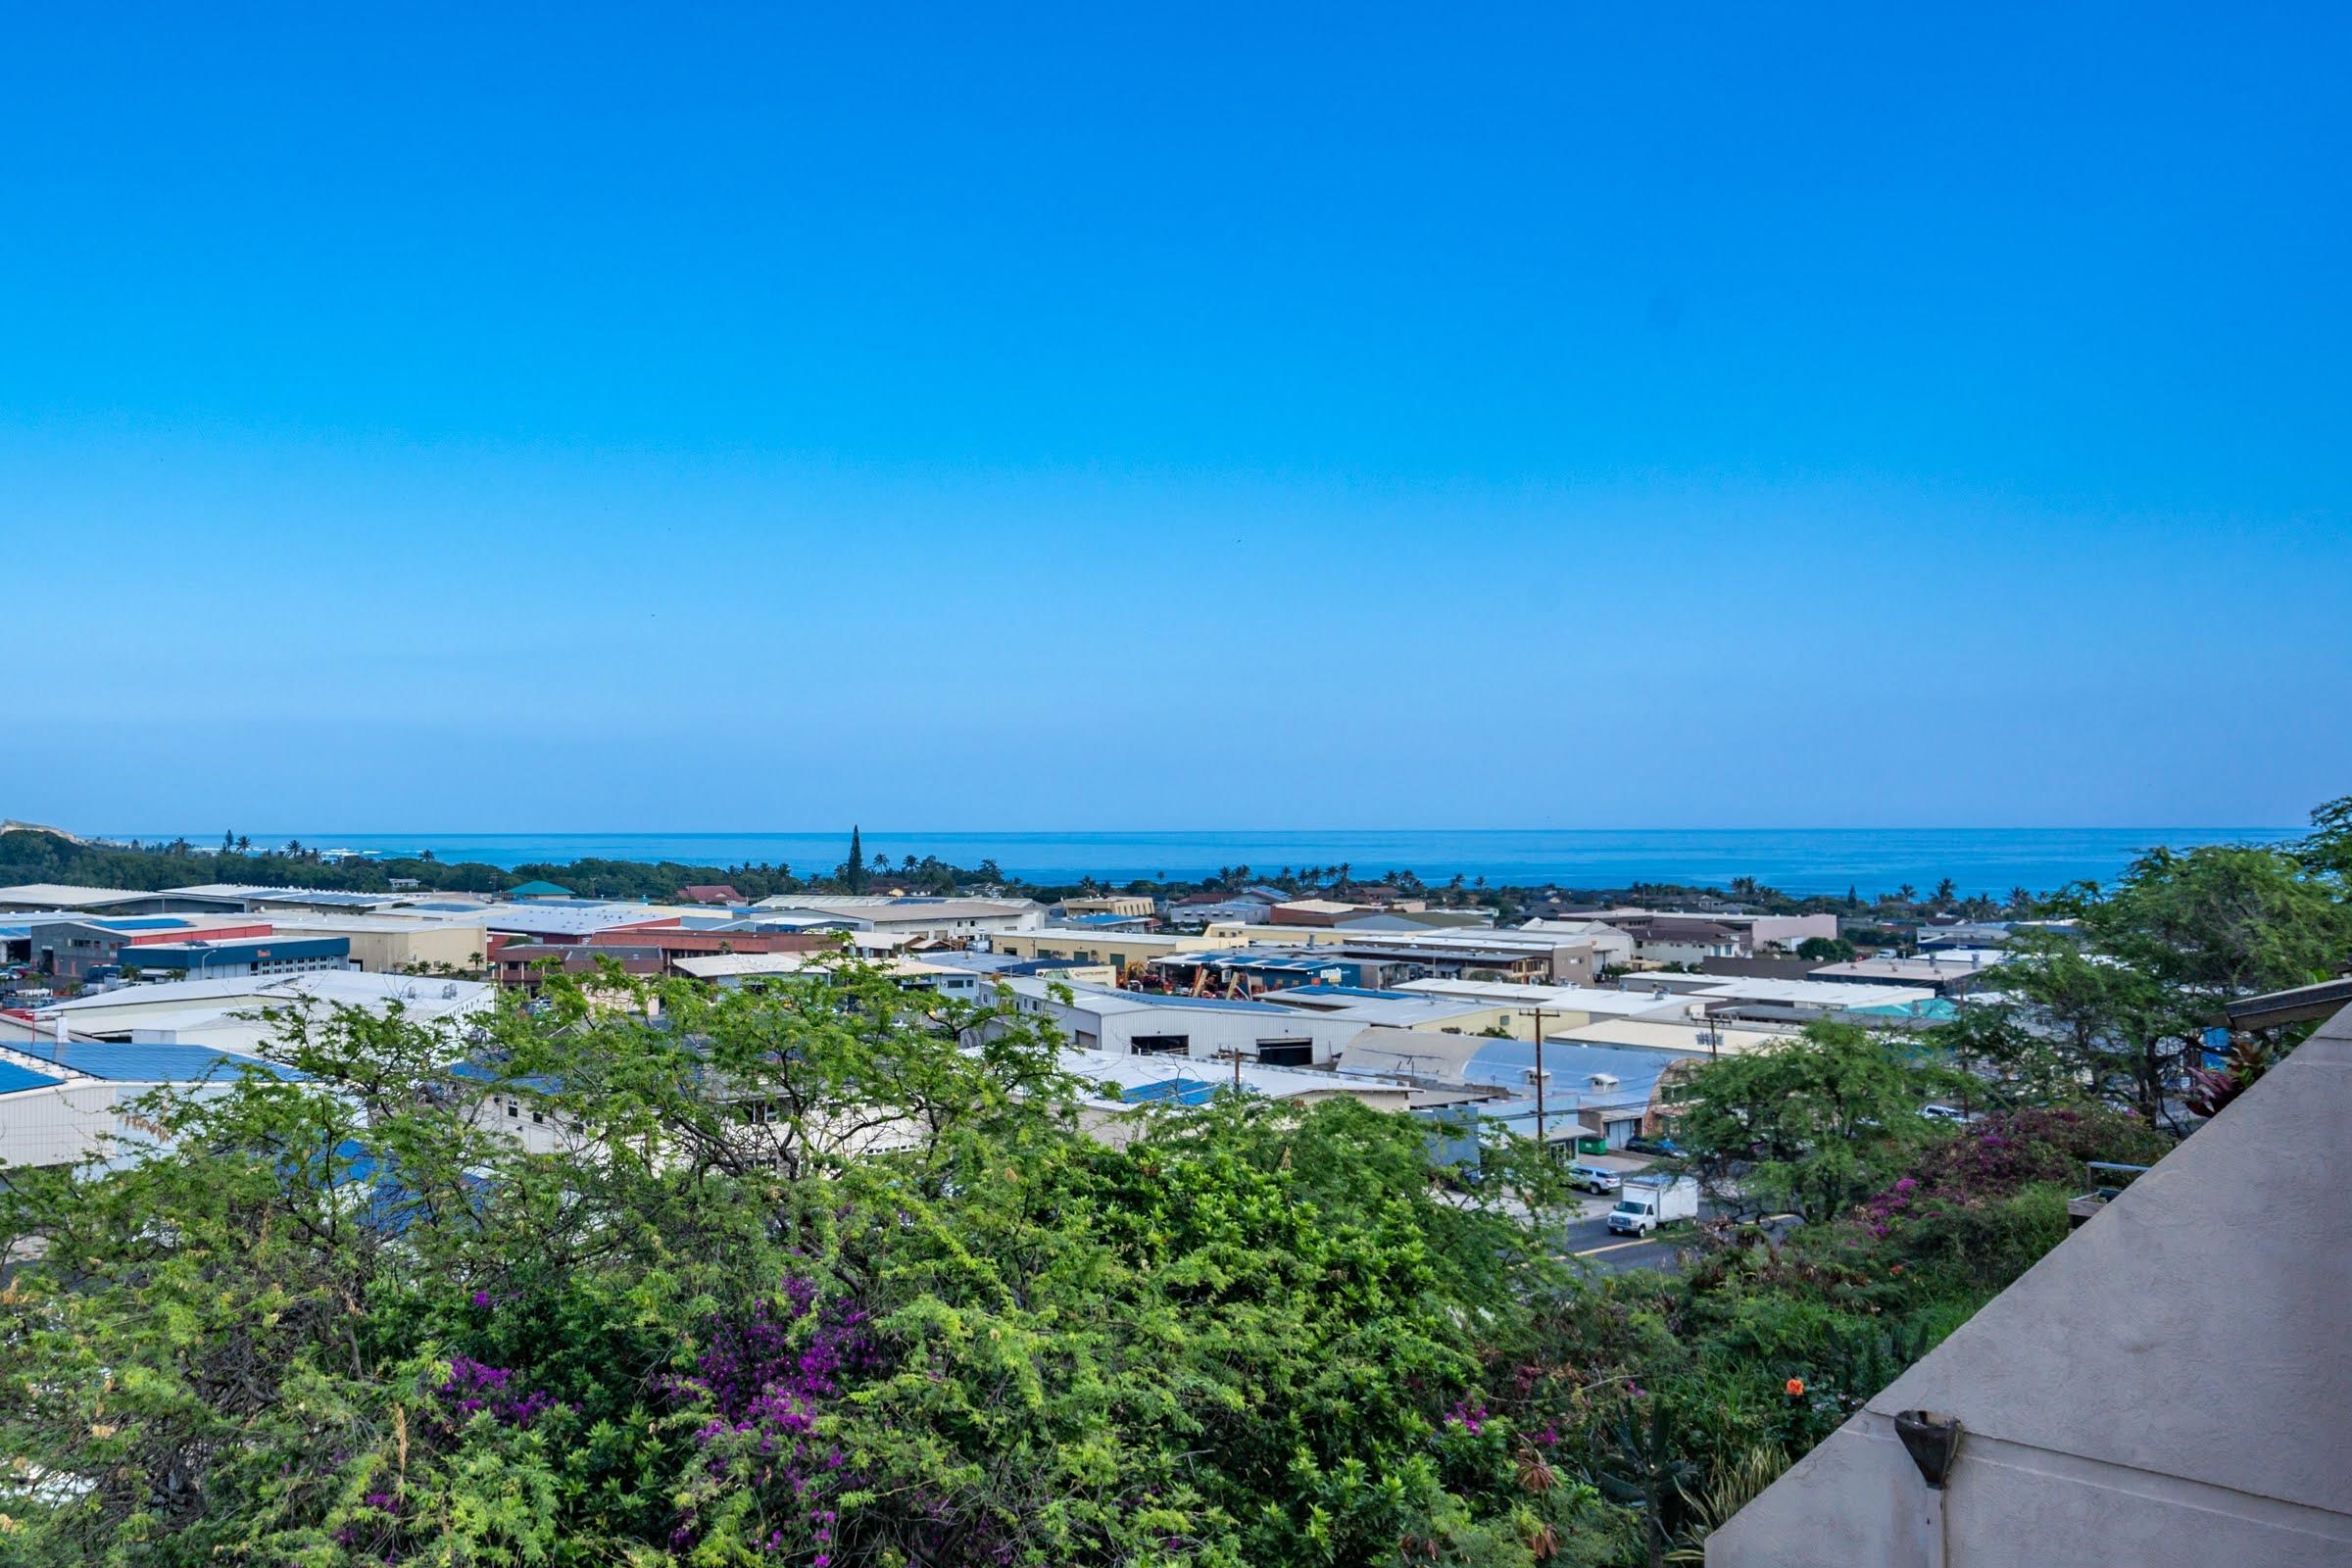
<point>1160,1045</point>
<point>1286,1052</point>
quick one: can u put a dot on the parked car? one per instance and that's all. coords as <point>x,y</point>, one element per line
<point>1593,1178</point>
<point>1665,1147</point>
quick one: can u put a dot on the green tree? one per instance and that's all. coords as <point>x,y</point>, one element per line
<point>798,1278</point>
<point>2128,996</point>
<point>1813,1124</point>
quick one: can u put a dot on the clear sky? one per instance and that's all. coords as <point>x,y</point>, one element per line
<point>1550,416</point>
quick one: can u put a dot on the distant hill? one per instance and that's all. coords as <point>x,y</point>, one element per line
<point>10,824</point>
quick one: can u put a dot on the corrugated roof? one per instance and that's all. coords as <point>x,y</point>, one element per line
<point>146,1064</point>
<point>15,1077</point>
<point>66,895</point>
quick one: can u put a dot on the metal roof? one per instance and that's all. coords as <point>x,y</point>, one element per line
<point>146,1064</point>
<point>14,1078</point>
<point>67,895</point>
<point>1183,1091</point>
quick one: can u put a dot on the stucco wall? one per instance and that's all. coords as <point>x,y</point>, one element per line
<point>2167,1388</point>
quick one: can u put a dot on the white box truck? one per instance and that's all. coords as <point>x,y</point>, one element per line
<point>1649,1202</point>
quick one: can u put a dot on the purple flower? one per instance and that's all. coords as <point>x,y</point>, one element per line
<point>476,1385</point>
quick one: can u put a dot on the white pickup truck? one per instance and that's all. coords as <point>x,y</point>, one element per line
<point>1649,1202</point>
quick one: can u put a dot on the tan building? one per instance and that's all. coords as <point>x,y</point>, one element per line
<point>1126,950</point>
<point>1126,906</point>
<point>389,945</point>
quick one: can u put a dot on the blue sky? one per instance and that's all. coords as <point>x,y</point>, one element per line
<point>1540,417</point>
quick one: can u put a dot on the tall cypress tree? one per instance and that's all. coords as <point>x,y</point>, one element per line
<point>854,873</point>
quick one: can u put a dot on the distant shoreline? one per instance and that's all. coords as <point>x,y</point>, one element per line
<point>1795,861</point>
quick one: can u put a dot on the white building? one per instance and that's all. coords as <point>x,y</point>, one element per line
<point>940,920</point>
<point>1131,1022</point>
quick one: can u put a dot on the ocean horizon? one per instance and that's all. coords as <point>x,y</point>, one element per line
<point>1800,861</point>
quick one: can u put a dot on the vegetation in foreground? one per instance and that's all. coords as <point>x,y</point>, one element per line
<point>810,1285</point>
<point>348,1318</point>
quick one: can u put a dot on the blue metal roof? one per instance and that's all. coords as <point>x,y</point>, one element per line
<point>151,1064</point>
<point>139,923</point>
<point>1505,1063</point>
<point>491,1072</point>
<point>1366,994</point>
<point>1937,1008</point>
<point>14,1078</point>
<point>194,954</point>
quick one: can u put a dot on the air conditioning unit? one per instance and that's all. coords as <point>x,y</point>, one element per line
<point>1535,1077</point>
<point>1603,1080</point>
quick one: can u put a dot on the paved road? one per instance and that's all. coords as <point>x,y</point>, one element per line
<point>1590,1242</point>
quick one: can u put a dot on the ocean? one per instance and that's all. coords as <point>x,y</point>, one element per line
<point>1979,861</point>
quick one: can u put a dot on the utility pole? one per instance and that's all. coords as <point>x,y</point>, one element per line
<point>1540,1144</point>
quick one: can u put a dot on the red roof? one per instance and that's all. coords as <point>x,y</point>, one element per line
<point>710,893</point>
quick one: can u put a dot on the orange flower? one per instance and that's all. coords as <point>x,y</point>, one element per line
<point>1797,1387</point>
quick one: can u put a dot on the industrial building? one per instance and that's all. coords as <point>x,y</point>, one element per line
<point>1130,1022</point>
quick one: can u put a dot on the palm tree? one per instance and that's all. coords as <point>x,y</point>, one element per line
<point>1907,893</point>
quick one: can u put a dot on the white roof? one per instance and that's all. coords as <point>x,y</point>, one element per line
<point>1276,1082</point>
<point>1103,1001</point>
<point>879,907</point>
<point>1653,1034</point>
<point>383,920</point>
<point>1596,1000</point>
<point>1812,993</point>
<point>66,895</point>
<point>720,965</point>
<point>418,995</point>
<point>1401,1011</point>
<point>1942,964</point>
<point>569,920</point>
